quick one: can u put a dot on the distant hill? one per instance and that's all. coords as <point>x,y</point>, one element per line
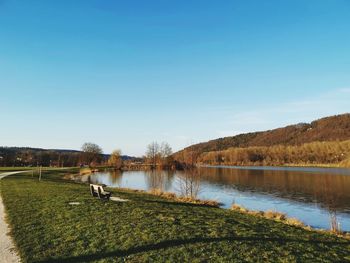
<point>24,156</point>
<point>333,128</point>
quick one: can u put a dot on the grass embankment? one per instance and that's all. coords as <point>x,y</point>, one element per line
<point>343,164</point>
<point>19,168</point>
<point>11,169</point>
<point>46,228</point>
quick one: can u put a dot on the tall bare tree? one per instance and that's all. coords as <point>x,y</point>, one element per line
<point>165,150</point>
<point>91,153</point>
<point>153,154</point>
<point>159,155</point>
<point>166,155</point>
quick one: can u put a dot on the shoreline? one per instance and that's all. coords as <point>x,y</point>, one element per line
<point>325,166</point>
<point>269,214</point>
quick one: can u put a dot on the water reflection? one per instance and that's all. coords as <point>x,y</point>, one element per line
<point>316,196</point>
<point>159,180</point>
<point>329,190</point>
<point>116,177</point>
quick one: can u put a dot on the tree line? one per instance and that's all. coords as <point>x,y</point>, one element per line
<point>157,155</point>
<point>160,156</point>
<point>90,154</point>
<point>336,152</point>
<point>11,156</point>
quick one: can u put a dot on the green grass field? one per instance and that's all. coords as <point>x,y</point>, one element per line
<point>46,228</point>
<point>10,169</point>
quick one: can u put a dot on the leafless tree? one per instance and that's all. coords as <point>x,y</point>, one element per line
<point>189,183</point>
<point>165,150</point>
<point>159,155</point>
<point>166,155</point>
<point>334,223</point>
<point>153,153</point>
<point>91,153</point>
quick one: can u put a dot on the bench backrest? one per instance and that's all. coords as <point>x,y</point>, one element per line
<point>95,187</point>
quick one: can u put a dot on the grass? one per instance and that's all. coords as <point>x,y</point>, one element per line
<point>19,168</point>
<point>181,199</point>
<point>273,215</point>
<point>149,228</point>
<point>11,169</point>
<point>343,164</point>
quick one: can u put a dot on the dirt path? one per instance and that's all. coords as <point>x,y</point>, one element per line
<point>7,248</point>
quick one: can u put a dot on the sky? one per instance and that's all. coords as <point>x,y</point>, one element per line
<point>123,74</point>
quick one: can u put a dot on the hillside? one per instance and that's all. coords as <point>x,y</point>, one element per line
<point>334,128</point>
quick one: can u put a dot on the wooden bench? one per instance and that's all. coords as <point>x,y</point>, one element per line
<point>98,191</point>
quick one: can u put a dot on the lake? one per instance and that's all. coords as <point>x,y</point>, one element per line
<point>312,195</point>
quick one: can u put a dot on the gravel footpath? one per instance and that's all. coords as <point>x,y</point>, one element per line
<point>8,252</point>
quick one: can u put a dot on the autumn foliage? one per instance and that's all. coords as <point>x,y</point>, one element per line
<point>324,141</point>
<point>335,153</point>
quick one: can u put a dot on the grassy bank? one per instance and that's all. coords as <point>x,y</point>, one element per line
<point>318,165</point>
<point>148,228</point>
<point>11,169</point>
<point>26,168</point>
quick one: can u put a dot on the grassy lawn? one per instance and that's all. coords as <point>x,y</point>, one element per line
<point>147,229</point>
<point>12,169</point>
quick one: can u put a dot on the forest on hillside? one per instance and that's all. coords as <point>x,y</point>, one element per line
<point>336,153</point>
<point>333,128</point>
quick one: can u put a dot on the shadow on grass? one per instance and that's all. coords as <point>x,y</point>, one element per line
<point>179,242</point>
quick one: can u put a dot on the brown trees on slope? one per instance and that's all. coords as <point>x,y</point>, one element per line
<point>306,154</point>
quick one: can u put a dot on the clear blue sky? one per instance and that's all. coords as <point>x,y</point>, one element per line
<point>125,73</point>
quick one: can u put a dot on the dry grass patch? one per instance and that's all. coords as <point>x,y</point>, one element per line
<point>239,208</point>
<point>270,214</point>
<point>296,222</point>
<point>183,199</point>
<point>174,197</point>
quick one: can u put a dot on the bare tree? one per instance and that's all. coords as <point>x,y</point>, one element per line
<point>165,150</point>
<point>166,155</point>
<point>189,183</point>
<point>153,154</point>
<point>334,222</point>
<point>91,153</point>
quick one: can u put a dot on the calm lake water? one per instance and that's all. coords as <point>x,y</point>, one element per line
<point>309,194</point>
